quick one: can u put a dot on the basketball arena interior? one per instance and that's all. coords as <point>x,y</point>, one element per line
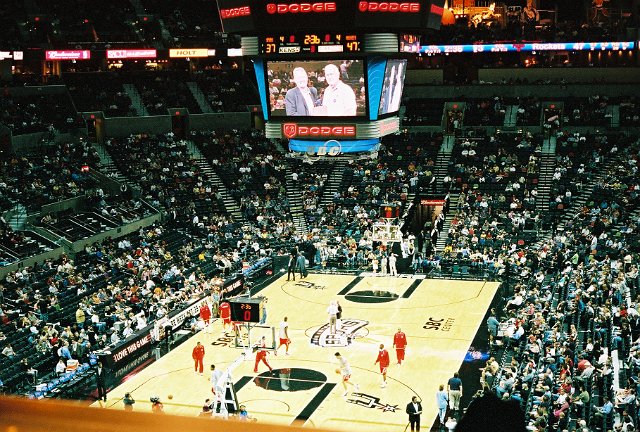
<point>333,215</point>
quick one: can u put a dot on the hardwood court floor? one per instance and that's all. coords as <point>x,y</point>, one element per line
<point>439,317</point>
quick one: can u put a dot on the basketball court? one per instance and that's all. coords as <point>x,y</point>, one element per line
<point>439,317</point>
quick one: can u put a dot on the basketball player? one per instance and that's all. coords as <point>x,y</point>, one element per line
<point>198,356</point>
<point>284,337</point>
<point>225,316</point>
<point>205,314</point>
<point>261,354</point>
<point>383,359</point>
<point>400,342</point>
<point>345,370</point>
<point>217,387</point>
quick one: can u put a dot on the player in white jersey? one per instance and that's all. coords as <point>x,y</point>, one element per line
<point>283,335</point>
<point>345,371</point>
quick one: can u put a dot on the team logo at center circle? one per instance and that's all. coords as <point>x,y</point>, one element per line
<point>342,337</point>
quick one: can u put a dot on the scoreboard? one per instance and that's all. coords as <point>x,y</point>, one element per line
<point>244,309</point>
<point>309,43</point>
<point>330,73</point>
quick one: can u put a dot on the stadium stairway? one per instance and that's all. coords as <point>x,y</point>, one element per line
<point>230,204</point>
<point>579,201</point>
<point>136,99</point>
<point>444,234</point>
<point>511,116</point>
<point>614,110</point>
<point>587,190</point>
<point>441,167</point>
<point>547,168</point>
<point>199,97</point>
<point>108,168</point>
<point>296,205</point>
<point>16,216</point>
<point>333,182</point>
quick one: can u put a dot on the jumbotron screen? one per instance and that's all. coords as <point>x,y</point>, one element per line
<point>393,85</point>
<point>316,88</point>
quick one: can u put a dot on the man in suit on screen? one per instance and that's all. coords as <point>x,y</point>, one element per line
<point>299,101</point>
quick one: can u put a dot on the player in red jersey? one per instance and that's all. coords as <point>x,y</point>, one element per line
<point>261,354</point>
<point>225,315</point>
<point>198,356</point>
<point>383,359</point>
<point>400,342</point>
<point>205,314</point>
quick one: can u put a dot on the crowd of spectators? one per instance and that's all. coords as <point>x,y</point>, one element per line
<point>67,309</point>
<point>99,92</point>
<point>170,179</point>
<point>528,113</point>
<point>629,112</point>
<point>20,244</point>
<point>494,218</point>
<point>571,300</point>
<point>50,113</point>
<point>161,91</point>
<point>571,314</point>
<point>576,155</point>
<point>252,169</point>
<point>53,174</point>
<point>485,112</point>
<point>592,111</point>
<point>371,192</point>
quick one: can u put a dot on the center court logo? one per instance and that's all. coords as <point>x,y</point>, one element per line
<point>369,401</point>
<point>343,337</point>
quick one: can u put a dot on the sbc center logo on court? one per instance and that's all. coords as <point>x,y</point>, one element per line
<point>343,337</point>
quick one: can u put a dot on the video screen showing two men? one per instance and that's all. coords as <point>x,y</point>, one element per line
<point>317,88</point>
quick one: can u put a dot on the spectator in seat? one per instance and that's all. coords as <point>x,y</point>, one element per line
<point>61,367</point>
<point>64,352</point>
<point>604,410</point>
<point>8,351</point>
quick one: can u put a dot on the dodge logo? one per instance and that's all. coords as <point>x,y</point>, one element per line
<point>289,130</point>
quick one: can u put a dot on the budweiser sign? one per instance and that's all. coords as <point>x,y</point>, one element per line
<point>294,130</point>
<point>68,55</point>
